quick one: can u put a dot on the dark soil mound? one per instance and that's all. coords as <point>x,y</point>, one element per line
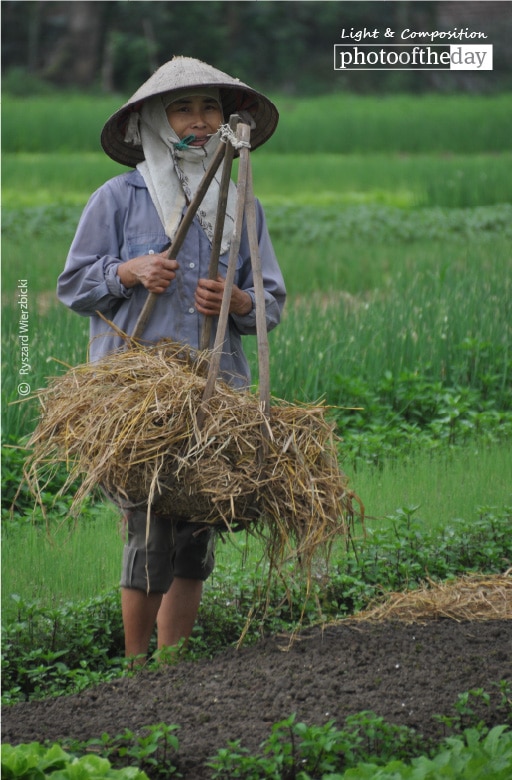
<point>404,672</point>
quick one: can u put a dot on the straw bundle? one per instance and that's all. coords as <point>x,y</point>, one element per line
<point>128,424</point>
<point>472,597</point>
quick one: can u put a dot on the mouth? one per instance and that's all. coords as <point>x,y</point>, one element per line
<point>192,141</point>
<point>200,140</point>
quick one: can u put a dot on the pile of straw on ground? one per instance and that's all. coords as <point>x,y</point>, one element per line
<point>128,424</point>
<point>471,597</point>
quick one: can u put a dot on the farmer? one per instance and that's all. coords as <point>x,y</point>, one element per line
<point>168,132</point>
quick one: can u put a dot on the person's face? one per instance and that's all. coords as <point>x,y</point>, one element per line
<point>195,115</point>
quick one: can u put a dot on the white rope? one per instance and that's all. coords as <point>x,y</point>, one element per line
<point>227,135</point>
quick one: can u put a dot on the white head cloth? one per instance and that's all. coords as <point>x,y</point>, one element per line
<point>173,175</point>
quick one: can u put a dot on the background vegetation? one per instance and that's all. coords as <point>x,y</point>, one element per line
<point>283,46</point>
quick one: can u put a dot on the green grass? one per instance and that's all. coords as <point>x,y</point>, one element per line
<point>61,122</point>
<point>294,179</point>
<point>338,123</point>
<point>55,334</point>
<point>54,178</point>
<point>394,123</point>
<point>445,485</point>
<point>440,309</point>
<point>51,557</point>
<point>392,179</point>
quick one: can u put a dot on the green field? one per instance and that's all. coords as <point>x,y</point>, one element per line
<point>344,123</point>
<point>393,230</point>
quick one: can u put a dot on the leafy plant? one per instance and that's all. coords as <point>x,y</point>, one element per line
<point>61,650</point>
<point>469,757</point>
<point>470,707</point>
<point>35,762</point>
<point>366,748</point>
<point>154,749</point>
<point>17,500</point>
<point>405,551</point>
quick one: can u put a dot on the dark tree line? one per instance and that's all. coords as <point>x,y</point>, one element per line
<point>286,46</point>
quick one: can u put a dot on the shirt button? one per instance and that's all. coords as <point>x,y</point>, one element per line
<point>151,252</point>
<point>191,310</point>
<point>191,265</point>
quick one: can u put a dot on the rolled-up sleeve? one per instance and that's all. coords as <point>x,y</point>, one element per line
<point>89,282</point>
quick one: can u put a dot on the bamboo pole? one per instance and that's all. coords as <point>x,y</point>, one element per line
<point>246,207</point>
<point>219,224</point>
<point>259,290</point>
<point>242,135</point>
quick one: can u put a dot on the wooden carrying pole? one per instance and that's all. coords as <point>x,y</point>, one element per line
<point>245,207</point>
<point>259,294</point>
<point>213,269</point>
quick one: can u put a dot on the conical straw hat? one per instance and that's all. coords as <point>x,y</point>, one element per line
<point>189,73</point>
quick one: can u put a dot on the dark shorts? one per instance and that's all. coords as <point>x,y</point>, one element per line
<point>169,548</point>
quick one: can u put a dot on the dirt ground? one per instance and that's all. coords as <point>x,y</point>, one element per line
<point>404,672</point>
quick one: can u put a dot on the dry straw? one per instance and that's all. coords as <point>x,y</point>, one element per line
<point>129,424</point>
<point>471,597</point>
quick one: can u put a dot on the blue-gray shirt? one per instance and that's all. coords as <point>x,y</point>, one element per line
<point>121,222</point>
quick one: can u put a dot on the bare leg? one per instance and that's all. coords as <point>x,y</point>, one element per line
<point>178,612</point>
<point>139,617</point>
